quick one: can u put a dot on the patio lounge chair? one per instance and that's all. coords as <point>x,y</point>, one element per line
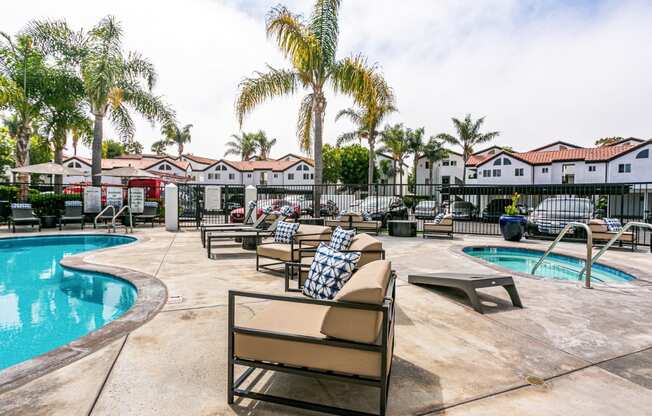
<point>436,229</point>
<point>150,213</point>
<point>22,214</point>
<point>348,339</point>
<point>601,234</point>
<point>260,225</point>
<point>72,214</point>
<point>355,221</point>
<point>306,236</point>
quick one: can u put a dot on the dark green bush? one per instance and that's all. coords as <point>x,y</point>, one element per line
<point>51,204</point>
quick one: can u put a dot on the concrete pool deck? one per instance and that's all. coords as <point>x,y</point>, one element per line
<point>593,348</point>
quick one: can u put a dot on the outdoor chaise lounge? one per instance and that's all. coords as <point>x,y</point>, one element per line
<point>348,339</point>
<point>439,228</point>
<point>260,225</point>
<point>355,221</point>
<point>72,214</point>
<point>149,215</point>
<point>306,236</point>
<point>602,233</point>
<point>22,214</point>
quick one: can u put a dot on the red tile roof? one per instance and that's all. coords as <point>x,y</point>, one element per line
<point>200,159</point>
<point>273,165</point>
<point>596,154</point>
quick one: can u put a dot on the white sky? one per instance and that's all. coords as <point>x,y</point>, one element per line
<point>539,70</point>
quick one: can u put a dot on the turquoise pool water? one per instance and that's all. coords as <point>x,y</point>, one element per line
<point>43,305</point>
<point>555,266</point>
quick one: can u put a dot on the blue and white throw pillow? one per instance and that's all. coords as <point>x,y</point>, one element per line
<point>341,239</point>
<point>252,204</point>
<point>329,271</point>
<point>613,224</point>
<point>73,203</point>
<point>285,232</point>
<point>366,216</point>
<point>267,210</point>
<point>438,218</point>
<point>152,204</point>
<point>21,206</point>
<point>286,211</point>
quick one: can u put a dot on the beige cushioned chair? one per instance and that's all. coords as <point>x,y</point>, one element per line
<point>349,337</point>
<point>307,236</point>
<point>444,227</point>
<point>601,233</point>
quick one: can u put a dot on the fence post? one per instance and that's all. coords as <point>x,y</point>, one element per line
<point>251,194</point>
<point>171,207</point>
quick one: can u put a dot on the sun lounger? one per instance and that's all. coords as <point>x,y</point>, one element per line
<point>436,229</point>
<point>72,214</point>
<point>260,224</point>
<point>602,234</point>
<point>250,239</point>
<point>22,214</point>
<point>347,339</point>
<point>150,213</point>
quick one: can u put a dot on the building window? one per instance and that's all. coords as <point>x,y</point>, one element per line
<point>305,167</point>
<point>427,165</point>
<point>486,173</point>
<point>497,173</point>
<point>218,176</point>
<point>210,176</point>
<point>506,161</point>
<point>544,170</point>
<point>165,167</point>
<point>291,176</point>
<point>518,172</point>
<point>473,174</point>
<point>231,176</point>
<point>299,167</point>
<point>445,163</point>
<point>312,176</point>
<point>306,176</point>
<point>498,162</point>
<point>275,175</point>
<point>453,162</point>
<point>624,168</point>
<point>249,175</point>
<point>592,168</point>
<point>643,154</point>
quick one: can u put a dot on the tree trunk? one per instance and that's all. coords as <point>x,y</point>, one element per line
<point>96,168</point>
<point>400,174</point>
<point>58,159</point>
<point>22,157</point>
<point>372,162</point>
<point>318,110</point>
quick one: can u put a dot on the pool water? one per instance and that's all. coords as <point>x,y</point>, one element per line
<point>43,305</point>
<point>555,266</point>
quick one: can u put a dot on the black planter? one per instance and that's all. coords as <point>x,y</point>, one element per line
<point>512,227</point>
<point>48,221</point>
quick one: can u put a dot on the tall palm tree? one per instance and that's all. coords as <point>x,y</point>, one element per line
<point>264,145</point>
<point>468,135</point>
<point>415,144</point>
<point>114,81</point>
<point>367,119</point>
<point>243,145</point>
<point>394,142</point>
<point>311,47</point>
<point>433,151</point>
<point>175,135</point>
<point>160,147</point>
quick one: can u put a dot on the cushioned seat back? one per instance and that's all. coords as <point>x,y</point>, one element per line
<point>313,232</point>
<point>598,226</point>
<point>365,242</point>
<point>351,216</point>
<point>367,285</point>
<point>447,220</point>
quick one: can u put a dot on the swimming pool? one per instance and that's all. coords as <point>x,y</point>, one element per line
<point>555,266</point>
<point>44,305</point>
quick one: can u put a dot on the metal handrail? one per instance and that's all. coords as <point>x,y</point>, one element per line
<point>615,238</point>
<point>106,208</point>
<point>589,249</point>
<point>131,223</point>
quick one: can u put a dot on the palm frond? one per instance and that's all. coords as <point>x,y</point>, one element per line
<point>150,106</point>
<point>347,138</point>
<point>448,138</point>
<point>122,122</point>
<point>291,35</point>
<point>305,124</point>
<point>351,113</point>
<point>324,26</point>
<point>136,66</point>
<point>255,90</point>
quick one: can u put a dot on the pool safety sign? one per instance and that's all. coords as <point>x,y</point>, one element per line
<point>213,198</point>
<point>136,200</point>
<point>92,199</point>
<point>114,197</point>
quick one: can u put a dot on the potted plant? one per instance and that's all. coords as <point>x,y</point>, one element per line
<point>512,224</point>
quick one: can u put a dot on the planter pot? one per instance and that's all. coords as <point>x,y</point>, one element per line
<point>48,221</point>
<point>512,227</point>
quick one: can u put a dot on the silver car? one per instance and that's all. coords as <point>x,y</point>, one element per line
<point>426,210</point>
<point>552,215</point>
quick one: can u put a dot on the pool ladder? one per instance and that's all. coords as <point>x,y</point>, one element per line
<point>108,207</point>
<point>589,250</point>
<point>115,216</point>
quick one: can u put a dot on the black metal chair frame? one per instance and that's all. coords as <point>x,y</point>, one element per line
<point>350,226</point>
<point>12,222</point>
<point>268,267</point>
<point>72,219</point>
<point>382,383</point>
<point>145,217</point>
<point>260,224</point>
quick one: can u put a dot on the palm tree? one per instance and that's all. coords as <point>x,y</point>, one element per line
<point>264,145</point>
<point>468,135</point>
<point>394,142</point>
<point>243,145</point>
<point>433,151</point>
<point>160,147</point>
<point>175,135</point>
<point>367,119</point>
<point>415,144</point>
<point>311,47</point>
<point>114,82</point>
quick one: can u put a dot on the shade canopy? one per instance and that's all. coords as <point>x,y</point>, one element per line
<point>127,172</point>
<point>49,168</point>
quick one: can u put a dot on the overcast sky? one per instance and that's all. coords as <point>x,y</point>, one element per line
<point>539,70</point>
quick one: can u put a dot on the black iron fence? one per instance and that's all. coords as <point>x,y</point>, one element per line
<point>49,200</point>
<point>210,204</point>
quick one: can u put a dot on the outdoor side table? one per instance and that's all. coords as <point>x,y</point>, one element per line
<point>311,221</point>
<point>402,228</point>
<point>468,283</point>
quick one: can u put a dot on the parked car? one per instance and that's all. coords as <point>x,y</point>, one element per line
<point>238,214</point>
<point>552,214</point>
<point>327,209</point>
<point>355,205</point>
<point>384,208</point>
<point>496,207</point>
<point>462,210</point>
<point>426,210</point>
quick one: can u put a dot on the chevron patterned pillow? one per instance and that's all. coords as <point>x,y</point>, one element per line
<point>329,271</point>
<point>285,232</point>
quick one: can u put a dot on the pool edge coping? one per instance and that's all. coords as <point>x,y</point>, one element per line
<point>151,298</point>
